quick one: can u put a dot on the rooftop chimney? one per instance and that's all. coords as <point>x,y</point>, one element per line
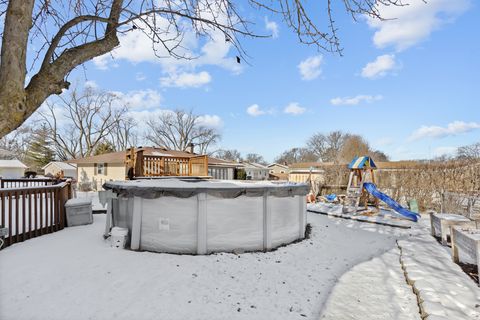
<point>190,147</point>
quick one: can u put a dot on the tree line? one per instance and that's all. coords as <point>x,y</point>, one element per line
<point>90,122</point>
<point>336,147</point>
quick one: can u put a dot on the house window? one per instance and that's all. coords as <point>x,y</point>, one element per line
<point>101,168</point>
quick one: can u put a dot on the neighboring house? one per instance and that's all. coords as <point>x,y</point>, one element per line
<point>12,169</point>
<point>55,167</point>
<point>278,171</point>
<point>276,168</point>
<point>95,170</point>
<point>222,169</point>
<point>92,172</point>
<point>255,171</point>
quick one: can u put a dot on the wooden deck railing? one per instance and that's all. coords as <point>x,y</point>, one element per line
<point>30,212</point>
<point>155,166</point>
<point>25,182</point>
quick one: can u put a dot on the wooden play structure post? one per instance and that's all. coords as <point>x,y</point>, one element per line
<point>360,168</point>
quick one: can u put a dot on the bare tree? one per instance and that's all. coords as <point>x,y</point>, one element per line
<point>178,129</point>
<point>255,158</point>
<point>81,121</point>
<point>296,155</point>
<point>231,155</point>
<point>123,134</point>
<point>469,152</point>
<point>327,147</point>
<point>339,147</point>
<point>16,143</point>
<point>353,146</point>
<point>69,33</point>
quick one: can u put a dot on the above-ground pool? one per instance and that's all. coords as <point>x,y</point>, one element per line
<point>199,216</point>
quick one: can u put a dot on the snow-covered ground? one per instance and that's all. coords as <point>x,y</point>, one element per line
<point>74,274</point>
<point>386,296</point>
<point>346,270</point>
<point>93,196</point>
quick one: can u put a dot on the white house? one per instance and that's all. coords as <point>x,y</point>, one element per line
<point>54,167</point>
<point>255,171</point>
<point>12,169</point>
<point>222,169</point>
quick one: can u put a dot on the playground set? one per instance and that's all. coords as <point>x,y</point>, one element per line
<point>361,184</point>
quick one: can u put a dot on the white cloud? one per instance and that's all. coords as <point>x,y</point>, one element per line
<point>407,25</point>
<point>452,129</point>
<point>212,121</point>
<point>380,67</point>
<point>353,101</point>
<point>440,151</point>
<point>142,116</point>
<point>294,108</point>
<point>140,99</point>
<point>272,27</point>
<point>310,68</point>
<point>255,111</point>
<point>185,79</point>
<point>135,47</point>
<point>90,84</point>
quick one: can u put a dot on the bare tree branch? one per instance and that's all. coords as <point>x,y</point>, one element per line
<point>91,118</point>
<point>69,33</point>
<point>178,129</point>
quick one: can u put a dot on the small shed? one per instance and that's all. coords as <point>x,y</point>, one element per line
<point>12,169</point>
<point>54,167</point>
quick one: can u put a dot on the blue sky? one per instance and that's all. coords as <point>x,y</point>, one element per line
<point>409,85</point>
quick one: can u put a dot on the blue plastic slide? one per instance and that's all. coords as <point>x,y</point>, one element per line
<point>372,189</point>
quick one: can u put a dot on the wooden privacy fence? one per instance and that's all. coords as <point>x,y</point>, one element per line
<point>30,212</point>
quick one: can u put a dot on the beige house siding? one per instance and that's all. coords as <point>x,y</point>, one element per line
<point>87,174</point>
<point>53,169</point>
<point>275,168</point>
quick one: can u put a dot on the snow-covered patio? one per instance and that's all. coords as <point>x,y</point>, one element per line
<point>346,270</point>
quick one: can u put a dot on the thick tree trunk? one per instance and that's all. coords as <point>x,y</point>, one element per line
<point>17,103</point>
<point>18,20</point>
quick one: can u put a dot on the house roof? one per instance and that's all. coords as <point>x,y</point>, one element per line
<point>222,162</point>
<point>278,165</point>
<point>119,157</point>
<point>61,165</point>
<point>111,157</point>
<point>253,165</point>
<point>12,164</point>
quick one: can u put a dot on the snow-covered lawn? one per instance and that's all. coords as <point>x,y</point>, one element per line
<point>74,274</point>
<point>93,196</point>
<point>385,297</point>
